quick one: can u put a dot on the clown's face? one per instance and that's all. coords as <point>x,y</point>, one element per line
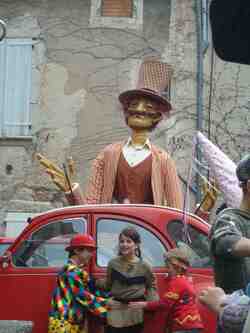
<point>84,255</point>
<point>143,113</point>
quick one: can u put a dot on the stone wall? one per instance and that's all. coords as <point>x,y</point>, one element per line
<point>225,94</point>
<point>81,64</point>
<point>79,69</point>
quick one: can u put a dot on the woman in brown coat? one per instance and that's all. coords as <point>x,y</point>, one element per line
<point>130,279</point>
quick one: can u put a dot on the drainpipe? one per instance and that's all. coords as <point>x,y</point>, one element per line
<point>199,86</point>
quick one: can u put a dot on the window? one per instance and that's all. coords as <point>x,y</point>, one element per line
<point>117,8</point>
<point>15,87</point>
<point>108,231</point>
<point>120,14</point>
<point>46,246</point>
<point>198,249</point>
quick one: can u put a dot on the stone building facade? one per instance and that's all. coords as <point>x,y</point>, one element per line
<point>81,60</point>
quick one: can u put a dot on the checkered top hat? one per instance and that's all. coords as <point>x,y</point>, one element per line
<point>154,78</point>
<point>223,170</point>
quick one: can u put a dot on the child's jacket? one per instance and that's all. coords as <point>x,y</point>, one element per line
<point>179,301</point>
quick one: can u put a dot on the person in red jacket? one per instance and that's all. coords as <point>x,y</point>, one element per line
<point>179,300</point>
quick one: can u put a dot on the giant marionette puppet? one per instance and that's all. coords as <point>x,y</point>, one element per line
<point>134,171</point>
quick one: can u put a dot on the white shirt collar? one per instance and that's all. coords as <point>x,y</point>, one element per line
<point>146,145</point>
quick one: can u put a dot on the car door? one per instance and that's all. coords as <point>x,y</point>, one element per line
<point>106,229</point>
<point>27,283</point>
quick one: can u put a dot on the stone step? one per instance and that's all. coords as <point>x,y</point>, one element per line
<point>15,326</point>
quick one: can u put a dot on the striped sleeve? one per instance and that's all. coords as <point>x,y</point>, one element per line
<point>224,234</point>
<point>172,186</point>
<point>95,186</point>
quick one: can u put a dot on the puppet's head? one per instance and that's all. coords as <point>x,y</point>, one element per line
<point>145,106</point>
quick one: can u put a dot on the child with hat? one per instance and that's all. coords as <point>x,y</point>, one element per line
<point>75,294</point>
<point>179,300</point>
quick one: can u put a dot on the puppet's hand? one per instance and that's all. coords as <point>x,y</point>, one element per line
<point>57,175</point>
<point>210,194</point>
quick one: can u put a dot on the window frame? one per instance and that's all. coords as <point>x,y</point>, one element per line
<point>135,22</point>
<point>128,16</point>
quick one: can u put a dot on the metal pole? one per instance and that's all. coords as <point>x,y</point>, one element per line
<point>199,86</point>
<point>205,24</point>
<point>2,30</point>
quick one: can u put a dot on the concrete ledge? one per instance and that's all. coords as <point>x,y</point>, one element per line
<point>15,326</point>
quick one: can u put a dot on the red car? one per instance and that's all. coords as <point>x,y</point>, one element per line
<point>28,271</point>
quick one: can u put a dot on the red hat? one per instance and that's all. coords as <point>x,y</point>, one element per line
<point>81,240</point>
<point>154,78</point>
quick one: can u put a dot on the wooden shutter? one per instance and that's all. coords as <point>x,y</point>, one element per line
<point>117,8</point>
<point>15,87</point>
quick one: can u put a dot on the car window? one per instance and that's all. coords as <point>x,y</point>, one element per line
<point>197,249</point>
<point>46,246</point>
<point>3,247</point>
<point>108,231</point>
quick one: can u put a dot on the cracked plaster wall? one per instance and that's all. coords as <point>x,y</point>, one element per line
<point>78,72</point>
<point>229,91</point>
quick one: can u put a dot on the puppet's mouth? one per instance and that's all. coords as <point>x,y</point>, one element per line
<point>143,114</point>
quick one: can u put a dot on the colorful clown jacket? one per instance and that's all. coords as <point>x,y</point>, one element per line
<point>179,302</point>
<point>75,295</point>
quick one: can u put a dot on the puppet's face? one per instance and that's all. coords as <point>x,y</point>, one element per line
<point>143,113</point>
